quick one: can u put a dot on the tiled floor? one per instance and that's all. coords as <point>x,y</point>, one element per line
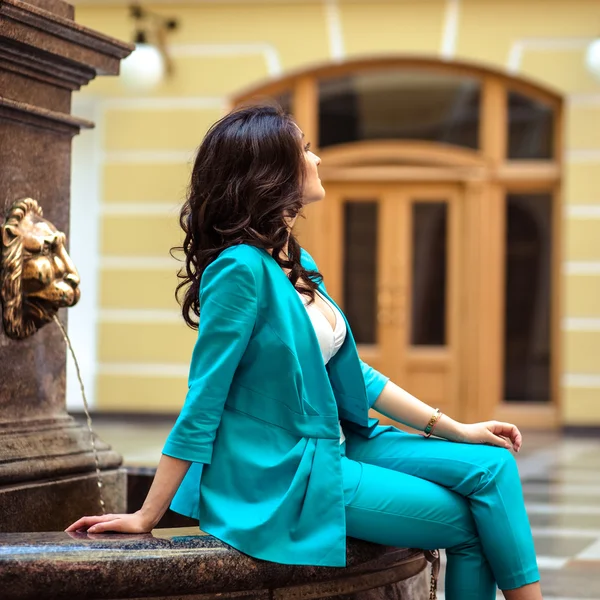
<point>561,483</point>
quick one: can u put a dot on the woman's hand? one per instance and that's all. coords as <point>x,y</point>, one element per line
<point>130,523</point>
<point>493,433</point>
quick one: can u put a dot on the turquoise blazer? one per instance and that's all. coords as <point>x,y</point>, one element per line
<point>260,421</point>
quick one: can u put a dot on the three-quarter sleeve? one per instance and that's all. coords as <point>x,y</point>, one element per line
<point>374,382</point>
<point>228,310</point>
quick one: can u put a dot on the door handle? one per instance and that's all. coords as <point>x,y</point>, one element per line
<point>391,305</point>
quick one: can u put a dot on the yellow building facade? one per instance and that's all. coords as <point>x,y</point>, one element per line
<point>529,48</point>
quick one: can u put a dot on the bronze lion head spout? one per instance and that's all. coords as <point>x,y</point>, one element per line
<point>37,275</point>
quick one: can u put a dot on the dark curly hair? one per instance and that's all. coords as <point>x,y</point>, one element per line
<point>246,180</point>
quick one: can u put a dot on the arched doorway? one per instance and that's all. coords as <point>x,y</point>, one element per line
<point>437,174</point>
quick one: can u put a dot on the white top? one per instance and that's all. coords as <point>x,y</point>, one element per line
<point>330,339</point>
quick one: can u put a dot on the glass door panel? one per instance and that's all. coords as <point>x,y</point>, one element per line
<point>360,268</point>
<point>527,349</point>
<point>429,273</point>
<point>429,292</point>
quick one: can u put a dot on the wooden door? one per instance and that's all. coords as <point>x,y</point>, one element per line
<point>391,259</point>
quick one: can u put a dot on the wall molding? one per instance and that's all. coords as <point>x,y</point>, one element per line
<point>583,99</point>
<point>583,324</point>
<point>165,103</point>
<point>267,51</point>
<point>578,211</point>
<point>140,209</point>
<point>333,18</point>
<point>582,267</point>
<point>543,44</point>
<point>450,30</point>
<point>156,370</point>
<point>136,316</point>
<point>581,380</point>
<point>149,156</point>
<point>583,155</point>
<point>139,263</point>
<point>84,242</point>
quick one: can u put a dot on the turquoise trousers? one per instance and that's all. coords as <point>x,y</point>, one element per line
<point>404,490</point>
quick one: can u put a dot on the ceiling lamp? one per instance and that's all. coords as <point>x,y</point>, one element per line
<point>592,58</point>
<point>149,64</point>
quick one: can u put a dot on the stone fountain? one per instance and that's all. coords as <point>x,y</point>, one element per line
<point>48,471</point>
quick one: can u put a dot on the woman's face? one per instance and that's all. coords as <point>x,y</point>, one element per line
<point>313,188</point>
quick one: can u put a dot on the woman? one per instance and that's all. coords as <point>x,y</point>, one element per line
<point>274,451</point>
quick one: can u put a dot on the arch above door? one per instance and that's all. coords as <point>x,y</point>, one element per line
<point>286,83</point>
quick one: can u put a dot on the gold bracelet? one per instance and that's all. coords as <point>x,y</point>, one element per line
<point>437,415</point>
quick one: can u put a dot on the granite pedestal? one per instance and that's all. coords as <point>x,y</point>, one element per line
<point>46,462</point>
<point>187,564</point>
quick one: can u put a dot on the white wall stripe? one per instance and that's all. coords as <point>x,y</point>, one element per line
<point>581,380</point>
<point>133,209</point>
<point>143,103</point>
<point>268,51</point>
<point>544,562</point>
<point>579,489</point>
<point>573,267</point>
<point>334,30</point>
<point>519,47</point>
<point>450,31</point>
<point>564,532</point>
<point>585,155</point>
<point>143,370</point>
<point>588,211</point>
<point>146,316</point>
<point>539,508</point>
<point>552,563</point>
<point>581,324</point>
<point>84,240</point>
<point>592,552</point>
<point>143,263</point>
<point>149,156</point>
<point>589,99</point>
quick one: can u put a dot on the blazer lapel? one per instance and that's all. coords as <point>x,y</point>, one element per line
<point>299,333</point>
<point>345,376</point>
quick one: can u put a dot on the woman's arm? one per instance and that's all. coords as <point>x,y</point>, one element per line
<point>229,307</point>
<point>399,405</point>
<point>169,475</point>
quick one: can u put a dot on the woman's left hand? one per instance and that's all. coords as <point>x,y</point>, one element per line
<point>493,433</point>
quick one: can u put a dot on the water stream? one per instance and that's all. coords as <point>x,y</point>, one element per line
<point>87,414</point>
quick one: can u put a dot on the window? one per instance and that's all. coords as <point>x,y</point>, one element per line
<point>429,259</point>
<point>530,128</point>
<point>399,105</point>
<point>527,350</point>
<point>360,269</point>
